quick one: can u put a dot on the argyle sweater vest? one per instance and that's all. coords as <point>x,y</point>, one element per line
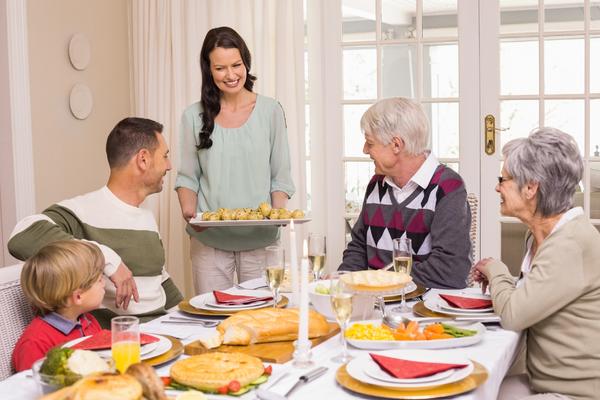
<point>385,219</point>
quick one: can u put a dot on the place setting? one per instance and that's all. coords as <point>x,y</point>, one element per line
<point>462,306</point>
<point>125,343</point>
<point>411,374</point>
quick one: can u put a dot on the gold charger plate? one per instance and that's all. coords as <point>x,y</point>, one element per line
<point>185,306</point>
<point>175,351</point>
<point>419,291</point>
<point>476,379</point>
<point>423,311</point>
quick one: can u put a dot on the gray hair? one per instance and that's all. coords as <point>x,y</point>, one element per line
<point>401,117</point>
<point>550,158</point>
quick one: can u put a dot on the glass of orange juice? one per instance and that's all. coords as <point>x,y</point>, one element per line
<point>125,341</point>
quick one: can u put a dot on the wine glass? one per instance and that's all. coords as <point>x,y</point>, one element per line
<point>402,253</point>
<point>125,341</point>
<point>341,303</point>
<point>274,269</point>
<point>317,253</point>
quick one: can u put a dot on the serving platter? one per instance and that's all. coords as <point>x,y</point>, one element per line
<point>247,222</point>
<point>415,291</point>
<point>421,344</point>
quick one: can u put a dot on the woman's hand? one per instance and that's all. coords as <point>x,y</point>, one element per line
<point>480,272</point>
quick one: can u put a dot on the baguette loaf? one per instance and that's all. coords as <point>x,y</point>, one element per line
<point>269,325</point>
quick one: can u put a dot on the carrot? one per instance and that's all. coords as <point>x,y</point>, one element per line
<point>412,327</point>
<point>435,328</point>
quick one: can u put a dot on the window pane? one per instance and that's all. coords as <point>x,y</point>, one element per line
<point>444,128</point>
<point>518,117</point>
<point>519,67</point>
<point>360,73</point>
<point>353,136</point>
<point>358,175</point>
<point>561,15</point>
<point>358,20</point>
<point>518,16</point>
<point>594,14</point>
<point>595,64</point>
<point>440,70</point>
<point>399,70</point>
<point>594,190</point>
<point>440,18</point>
<point>568,116</point>
<point>595,128</point>
<point>398,19</point>
<point>563,66</point>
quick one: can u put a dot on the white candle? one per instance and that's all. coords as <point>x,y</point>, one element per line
<point>303,326</point>
<point>294,266</point>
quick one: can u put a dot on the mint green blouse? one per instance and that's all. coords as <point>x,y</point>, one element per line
<point>241,169</point>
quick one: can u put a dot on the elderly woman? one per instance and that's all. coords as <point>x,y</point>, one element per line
<point>411,195</point>
<point>558,299</point>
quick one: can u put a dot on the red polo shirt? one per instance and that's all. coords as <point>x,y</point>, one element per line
<point>44,333</point>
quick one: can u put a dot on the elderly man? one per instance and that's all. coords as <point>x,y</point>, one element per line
<point>411,195</point>
<point>111,218</point>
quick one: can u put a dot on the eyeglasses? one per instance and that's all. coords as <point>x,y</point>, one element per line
<point>503,179</point>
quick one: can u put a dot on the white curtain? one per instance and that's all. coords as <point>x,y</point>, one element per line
<point>166,37</point>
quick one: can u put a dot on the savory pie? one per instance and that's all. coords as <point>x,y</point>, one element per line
<point>211,371</point>
<point>376,280</point>
<point>100,387</point>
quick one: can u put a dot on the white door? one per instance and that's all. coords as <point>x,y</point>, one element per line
<point>545,56</point>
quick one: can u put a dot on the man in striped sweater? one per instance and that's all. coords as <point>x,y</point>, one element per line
<point>112,219</point>
<point>411,195</point>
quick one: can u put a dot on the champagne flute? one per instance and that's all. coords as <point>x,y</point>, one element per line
<point>402,253</point>
<point>341,303</point>
<point>274,269</point>
<point>125,341</point>
<point>317,253</point>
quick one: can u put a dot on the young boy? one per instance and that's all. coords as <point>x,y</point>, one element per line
<point>63,282</point>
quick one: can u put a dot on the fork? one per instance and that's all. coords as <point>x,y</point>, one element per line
<point>206,324</point>
<point>237,286</point>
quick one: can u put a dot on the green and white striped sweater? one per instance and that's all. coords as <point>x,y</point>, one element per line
<point>123,232</point>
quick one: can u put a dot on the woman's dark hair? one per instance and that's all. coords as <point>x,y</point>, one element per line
<point>227,38</point>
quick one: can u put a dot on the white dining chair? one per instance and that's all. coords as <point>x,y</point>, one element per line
<point>473,202</point>
<point>15,314</point>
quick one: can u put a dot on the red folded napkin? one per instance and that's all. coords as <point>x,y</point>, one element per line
<point>407,369</point>
<point>469,303</point>
<point>235,299</point>
<point>102,340</point>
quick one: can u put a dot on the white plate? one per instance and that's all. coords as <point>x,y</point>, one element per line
<point>375,371</point>
<point>205,301</point>
<point>156,348</point>
<point>356,367</point>
<point>436,304</point>
<point>420,344</point>
<point>445,305</point>
<point>247,222</point>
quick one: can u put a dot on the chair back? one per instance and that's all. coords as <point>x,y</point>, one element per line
<point>473,234</point>
<point>15,314</point>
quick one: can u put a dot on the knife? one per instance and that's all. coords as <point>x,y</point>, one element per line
<point>308,377</point>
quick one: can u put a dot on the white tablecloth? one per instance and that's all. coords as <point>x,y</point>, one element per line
<point>496,352</point>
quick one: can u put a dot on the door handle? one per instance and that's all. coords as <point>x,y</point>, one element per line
<point>490,134</point>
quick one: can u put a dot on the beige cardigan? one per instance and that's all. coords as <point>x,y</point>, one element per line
<point>559,305</point>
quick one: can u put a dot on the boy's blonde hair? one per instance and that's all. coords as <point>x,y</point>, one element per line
<point>58,269</point>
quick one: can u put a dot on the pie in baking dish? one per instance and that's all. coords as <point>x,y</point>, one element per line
<point>211,371</point>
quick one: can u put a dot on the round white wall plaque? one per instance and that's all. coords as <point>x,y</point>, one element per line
<point>80,52</point>
<point>81,101</point>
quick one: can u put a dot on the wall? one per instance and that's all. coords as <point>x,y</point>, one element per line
<point>69,157</point>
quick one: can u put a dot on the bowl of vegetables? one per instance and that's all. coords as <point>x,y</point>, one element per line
<point>318,292</point>
<point>63,367</point>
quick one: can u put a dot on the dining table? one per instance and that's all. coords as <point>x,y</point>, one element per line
<point>496,352</point>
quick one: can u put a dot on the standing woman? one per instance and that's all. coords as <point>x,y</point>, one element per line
<point>233,154</point>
